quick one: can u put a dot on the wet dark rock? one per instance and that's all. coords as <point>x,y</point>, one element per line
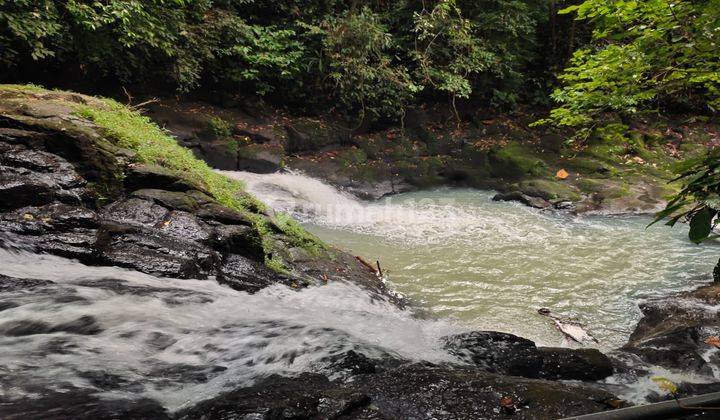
<point>238,239</point>
<point>153,253</point>
<point>85,325</point>
<point>511,355</point>
<point>414,391</point>
<point>578,364</point>
<point>141,176</point>
<point>79,405</point>
<point>242,273</point>
<point>310,135</point>
<point>536,202</point>
<point>352,362</point>
<point>12,284</point>
<point>497,352</point>
<point>171,199</point>
<point>673,331</point>
<point>222,214</point>
<point>135,211</point>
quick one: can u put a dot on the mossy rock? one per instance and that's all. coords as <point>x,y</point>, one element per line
<point>305,135</point>
<point>517,161</point>
<point>587,165</point>
<point>549,190</point>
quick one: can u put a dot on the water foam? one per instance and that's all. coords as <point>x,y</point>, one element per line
<point>182,341</point>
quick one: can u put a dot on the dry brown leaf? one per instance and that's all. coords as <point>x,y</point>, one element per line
<point>713,341</point>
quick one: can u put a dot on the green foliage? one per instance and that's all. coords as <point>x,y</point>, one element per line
<point>356,56</point>
<point>219,127</point>
<point>649,54</point>
<point>367,61</point>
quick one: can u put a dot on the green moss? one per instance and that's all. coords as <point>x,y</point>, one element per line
<point>219,128</point>
<point>299,237</point>
<point>549,190</point>
<point>136,132</point>
<point>517,160</point>
<point>24,88</point>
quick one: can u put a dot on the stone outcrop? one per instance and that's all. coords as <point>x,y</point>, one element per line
<point>67,189</point>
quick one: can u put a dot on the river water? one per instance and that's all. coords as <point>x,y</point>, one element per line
<point>491,265</point>
<point>468,262</point>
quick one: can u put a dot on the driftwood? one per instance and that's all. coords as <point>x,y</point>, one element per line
<point>366,264</point>
<point>572,330</point>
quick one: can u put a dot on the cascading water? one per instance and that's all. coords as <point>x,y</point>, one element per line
<point>126,334</point>
<point>458,254</point>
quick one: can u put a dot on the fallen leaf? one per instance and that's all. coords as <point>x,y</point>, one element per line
<point>28,216</point>
<point>665,384</point>
<point>713,341</point>
<point>562,174</point>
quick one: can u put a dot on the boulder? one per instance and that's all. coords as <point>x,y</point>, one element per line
<point>577,364</point>
<point>508,354</point>
<point>497,352</point>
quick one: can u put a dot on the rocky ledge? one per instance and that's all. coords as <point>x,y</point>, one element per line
<point>68,188</point>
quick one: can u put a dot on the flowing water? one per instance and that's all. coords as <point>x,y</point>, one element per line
<point>183,341</point>
<point>470,262</point>
<point>491,265</point>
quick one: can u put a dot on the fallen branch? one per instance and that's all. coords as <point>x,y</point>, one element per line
<point>379,270</point>
<point>366,264</point>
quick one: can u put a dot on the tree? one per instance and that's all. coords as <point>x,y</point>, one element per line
<point>647,55</point>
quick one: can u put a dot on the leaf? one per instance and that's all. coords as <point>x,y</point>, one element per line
<point>713,341</point>
<point>562,174</point>
<point>665,384</point>
<point>701,225</point>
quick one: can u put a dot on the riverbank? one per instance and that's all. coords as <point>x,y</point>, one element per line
<point>618,172</point>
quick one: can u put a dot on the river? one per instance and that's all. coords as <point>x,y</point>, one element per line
<point>457,254</point>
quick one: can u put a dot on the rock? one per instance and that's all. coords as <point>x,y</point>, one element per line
<point>414,391</point>
<point>673,330</point>
<point>80,405</point>
<point>144,176</point>
<point>576,364</point>
<point>351,362</point>
<point>134,212</point>
<point>149,252</point>
<point>306,134</point>
<point>536,202</point>
<point>508,354</point>
<point>497,352</point>
<point>221,214</point>
<point>238,239</point>
<point>242,273</point>
<point>171,199</point>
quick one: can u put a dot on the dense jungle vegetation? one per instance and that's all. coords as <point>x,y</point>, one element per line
<point>599,63</point>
